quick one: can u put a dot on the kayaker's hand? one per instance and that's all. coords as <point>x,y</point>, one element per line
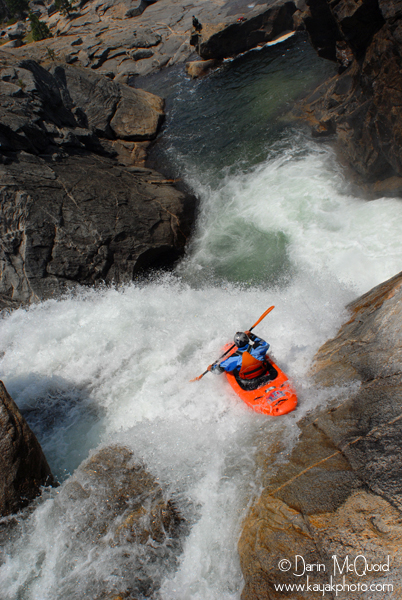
<point>247,333</point>
<point>209,368</point>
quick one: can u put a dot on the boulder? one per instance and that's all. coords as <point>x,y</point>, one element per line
<point>338,493</point>
<point>199,68</point>
<point>141,54</point>
<point>234,36</point>
<point>23,466</point>
<point>114,509</point>
<point>83,219</point>
<point>138,116</point>
<point>39,108</point>
<point>17,31</point>
<point>111,110</point>
<point>136,9</point>
<point>71,214</point>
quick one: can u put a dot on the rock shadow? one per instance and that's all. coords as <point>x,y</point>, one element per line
<point>64,417</point>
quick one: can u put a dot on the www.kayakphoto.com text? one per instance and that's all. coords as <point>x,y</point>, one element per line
<point>332,587</point>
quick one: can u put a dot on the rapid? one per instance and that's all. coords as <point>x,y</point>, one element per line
<point>277,225</point>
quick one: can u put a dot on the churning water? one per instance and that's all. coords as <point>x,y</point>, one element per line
<point>277,225</point>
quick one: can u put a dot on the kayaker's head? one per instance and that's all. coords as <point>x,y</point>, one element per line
<point>241,339</point>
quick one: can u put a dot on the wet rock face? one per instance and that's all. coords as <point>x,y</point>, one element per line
<point>339,492</point>
<point>112,508</point>
<point>70,213</point>
<point>359,105</point>
<point>23,466</point>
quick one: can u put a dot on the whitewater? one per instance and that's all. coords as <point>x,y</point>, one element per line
<point>112,365</point>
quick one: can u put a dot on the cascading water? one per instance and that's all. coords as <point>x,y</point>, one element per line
<point>276,226</point>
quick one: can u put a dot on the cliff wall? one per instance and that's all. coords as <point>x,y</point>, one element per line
<point>360,106</point>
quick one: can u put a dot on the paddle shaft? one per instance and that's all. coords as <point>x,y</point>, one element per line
<point>231,347</point>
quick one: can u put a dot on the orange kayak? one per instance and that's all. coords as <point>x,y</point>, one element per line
<point>274,394</point>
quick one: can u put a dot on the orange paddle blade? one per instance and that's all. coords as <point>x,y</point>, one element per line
<point>262,317</point>
<point>197,378</point>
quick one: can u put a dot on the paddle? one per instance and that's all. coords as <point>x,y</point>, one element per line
<point>231,347</point>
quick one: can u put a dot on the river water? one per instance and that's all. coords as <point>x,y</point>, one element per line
<point>277,225</point>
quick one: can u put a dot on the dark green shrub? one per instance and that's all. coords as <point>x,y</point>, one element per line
<point>40,31</point>
<point>50,53</point>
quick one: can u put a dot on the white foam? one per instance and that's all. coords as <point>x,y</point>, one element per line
<point>304,198</point>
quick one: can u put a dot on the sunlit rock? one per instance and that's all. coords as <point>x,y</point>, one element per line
<point>126,39</point>
<point>369,346</point>
<point>198,68</point>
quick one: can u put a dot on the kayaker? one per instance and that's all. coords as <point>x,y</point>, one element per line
<point>248,360</point>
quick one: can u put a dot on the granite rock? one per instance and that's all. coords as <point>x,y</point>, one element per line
<point>234,36</point>
<point>156,35</point>
<point>23,466</point>
<point>84,219</point>
<point>114,507</point>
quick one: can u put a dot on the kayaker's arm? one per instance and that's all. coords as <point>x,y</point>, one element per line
<point>260,347</point>
<point>230,364</point>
